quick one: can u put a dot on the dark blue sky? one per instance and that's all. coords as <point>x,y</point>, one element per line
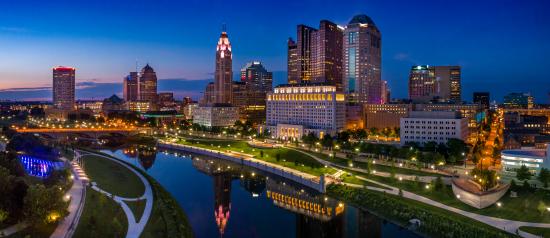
<point>502,45</point>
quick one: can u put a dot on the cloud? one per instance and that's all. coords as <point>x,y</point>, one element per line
<point>14,29</point>
<point>401,56</point>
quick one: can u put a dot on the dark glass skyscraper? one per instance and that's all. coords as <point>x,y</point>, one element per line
<point>482,98</point>
<point>258,82</point>
<point>292,62</point>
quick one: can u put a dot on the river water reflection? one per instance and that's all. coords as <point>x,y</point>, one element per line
<point>224,199</point>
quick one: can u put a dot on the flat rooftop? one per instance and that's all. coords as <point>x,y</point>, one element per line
<point>531,153</point>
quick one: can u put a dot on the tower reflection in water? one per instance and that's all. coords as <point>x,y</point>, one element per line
<point>146,155</point>
<point>316,214</point>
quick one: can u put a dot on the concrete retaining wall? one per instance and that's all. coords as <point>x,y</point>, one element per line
<point>479,200</point>
<point>296,176</point>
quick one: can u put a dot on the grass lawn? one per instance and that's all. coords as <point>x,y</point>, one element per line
<point>377,167</point>
<point>113,177</point>
<point>137,207</point>
<point>352,179</point>
<point>430,210</point>
<point>544,232</point>
<point>42,230</point>
<point>522,208</point>
<point>288,158</point>
<point>101,217</point>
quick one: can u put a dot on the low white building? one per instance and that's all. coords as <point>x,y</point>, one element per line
<point>215,116</point>
<point>296,110</point>
<point>425,126</point>
<point>533,159</point>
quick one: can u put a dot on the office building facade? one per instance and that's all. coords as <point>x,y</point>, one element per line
<point>483,99</point>
<point>147,87</point>
<point>64,88</point>
<point>362,60</point>
<point>316,56</point>
<point>257,83</point>
<point>423,126</point>
<point>519,100</point>
<point>439,83</point>
<point>297,110</point>
<point>382,116</point>
<point>130,87</point>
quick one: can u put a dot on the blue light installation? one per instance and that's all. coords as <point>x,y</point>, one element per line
<point>38,167</point>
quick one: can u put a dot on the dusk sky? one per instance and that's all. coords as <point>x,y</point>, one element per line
<point>502,45</point>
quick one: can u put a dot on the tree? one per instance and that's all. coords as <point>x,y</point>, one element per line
<point>327,141</point>
<point>261,153</point>
<point>438,184</point>
<point>541,207</point>
<point>278,157</point>
<point>3,216</point>
<point>523,173</point>
<point>544,176</point>
<point>43,205</point>
<point>526,186</point>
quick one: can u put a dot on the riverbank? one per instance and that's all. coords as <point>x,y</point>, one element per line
<point>434,222</point>
<point>167,219</point>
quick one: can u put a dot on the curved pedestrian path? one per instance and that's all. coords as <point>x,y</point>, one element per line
<point>135,227</point>
<point>77,196</point>
<point>510,226</point>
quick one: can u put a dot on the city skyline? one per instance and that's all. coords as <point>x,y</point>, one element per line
<point>187,54</point>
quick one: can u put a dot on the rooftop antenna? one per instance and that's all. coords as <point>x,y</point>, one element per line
<point>137,65</point>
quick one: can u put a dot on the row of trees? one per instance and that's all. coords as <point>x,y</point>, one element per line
<point>36,202</point>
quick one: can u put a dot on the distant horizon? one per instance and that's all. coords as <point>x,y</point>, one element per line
<point>178,39</point>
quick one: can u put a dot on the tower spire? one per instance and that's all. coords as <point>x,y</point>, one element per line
<point>224,27</point>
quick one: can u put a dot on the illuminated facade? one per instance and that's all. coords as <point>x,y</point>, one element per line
<point>147,87</point>
<point>422,127</point>
<point>385,115</point>
<point>363,60</point>
<point>293,74</point>
<point>257,83</point>
<point>139,106</point>
<point>130,87</point>
<point>316,56</point>
<point>474,113</point>
<point>519,100</point>
<point>94,106</point>
<point>216,116</point>
<point>533,159</point>
<point>297,110</point>
<point>442,83</point>
<point>223,77</point>
<point>64,88</point>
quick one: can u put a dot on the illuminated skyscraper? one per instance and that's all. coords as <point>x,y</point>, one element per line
<point>316,57</point>
<point>63,87</point>
<point>362,60</point>
<point>147,88</point>
<point>440,83</point>
<point>292,62</point>
<point>223,82</point>
<point>130,87</point>
<point>258,82</point>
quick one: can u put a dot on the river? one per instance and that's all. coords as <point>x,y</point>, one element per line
<point>225,199</point>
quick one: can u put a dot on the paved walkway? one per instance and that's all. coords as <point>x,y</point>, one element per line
<point>135,228</point>
<point>425,179</point>
<point>77,194</point>
<point>12,229</point>
<point>510,226</point>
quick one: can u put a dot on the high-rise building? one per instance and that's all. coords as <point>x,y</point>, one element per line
<point>303,49</point>
<point>483,99</point>
<point>362,58</point>
<point>441,83</point>
<point>449,85</point>
<point>223,82</point>
<point>130,87</point>
<point>326,54</point>
<point>147,87</point>
<point>423,126</point>
<point>64,88</point>
<point>293,65</point>
<point>316,56</point>
<point>258,82</point>
<point>385,92</point>
<point>519,100</point>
